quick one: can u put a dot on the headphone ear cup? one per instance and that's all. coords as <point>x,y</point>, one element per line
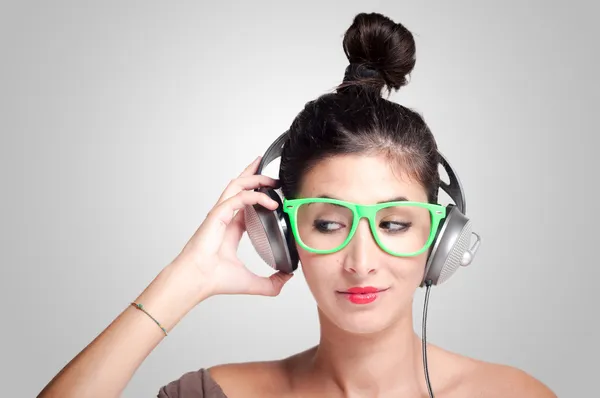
<point>450,249</point>
<point>270,234</point>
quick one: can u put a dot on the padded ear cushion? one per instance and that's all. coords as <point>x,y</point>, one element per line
<point>270,234</point>
<point>448,251</point>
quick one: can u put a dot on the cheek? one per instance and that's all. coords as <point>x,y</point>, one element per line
<point>319,270</point>
<point>409,269</point>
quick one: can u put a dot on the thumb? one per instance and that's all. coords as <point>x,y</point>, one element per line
<point>270,285</point>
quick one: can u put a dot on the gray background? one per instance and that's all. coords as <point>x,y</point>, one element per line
<point>121,122</point>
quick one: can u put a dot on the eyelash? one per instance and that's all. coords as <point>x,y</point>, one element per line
<point>405,225</point>
<point>318,223</point>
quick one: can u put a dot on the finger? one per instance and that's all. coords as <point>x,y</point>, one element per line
<point>224,211</point>
<point>247,183</point>
<point>255,181</point>
<point>251,168</point>
<point>268,286</point>
<point>235,231</point>
<point>221,216</point>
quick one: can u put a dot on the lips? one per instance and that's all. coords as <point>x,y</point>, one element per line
<point>362,295</point>
<point>363,290</point>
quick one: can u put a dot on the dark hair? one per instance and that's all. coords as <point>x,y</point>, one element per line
<point>356,118</point>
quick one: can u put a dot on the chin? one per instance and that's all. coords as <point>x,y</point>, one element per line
<point>353,325</point>
<point>360,318</point>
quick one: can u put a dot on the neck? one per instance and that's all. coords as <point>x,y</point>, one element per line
<point>367,365</point>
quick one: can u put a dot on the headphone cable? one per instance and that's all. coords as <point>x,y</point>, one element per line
<point>424,338</point>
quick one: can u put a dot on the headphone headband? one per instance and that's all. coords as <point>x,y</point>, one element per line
<point>272,152</point>
<point>454,189</point>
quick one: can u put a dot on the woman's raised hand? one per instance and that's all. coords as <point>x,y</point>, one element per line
<point>212,251</point>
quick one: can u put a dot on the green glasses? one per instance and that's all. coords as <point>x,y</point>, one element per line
<point>324,225</point>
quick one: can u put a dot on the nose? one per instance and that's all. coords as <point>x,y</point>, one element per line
<point>361,251</point>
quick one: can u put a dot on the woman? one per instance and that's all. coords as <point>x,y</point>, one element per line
<point>359,149</point>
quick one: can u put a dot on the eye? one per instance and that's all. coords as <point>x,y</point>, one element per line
<point>327,226</point>
<point>394,226</point>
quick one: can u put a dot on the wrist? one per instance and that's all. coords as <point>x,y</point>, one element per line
<point>172,294</point>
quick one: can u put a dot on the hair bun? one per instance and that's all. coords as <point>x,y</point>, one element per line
<point>381,52</point>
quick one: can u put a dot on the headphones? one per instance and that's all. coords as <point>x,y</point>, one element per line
<point>270,233</point>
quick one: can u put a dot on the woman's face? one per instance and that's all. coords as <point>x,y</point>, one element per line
<point>362,263</point>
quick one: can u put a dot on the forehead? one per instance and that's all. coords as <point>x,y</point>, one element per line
<point>360,178</point>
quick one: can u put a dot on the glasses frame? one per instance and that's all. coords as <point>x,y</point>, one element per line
<point>360,211</point>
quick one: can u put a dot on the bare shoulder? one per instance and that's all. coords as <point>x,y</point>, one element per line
<point>511,381</point>
<point>485,379</point>
<point>249,379</point>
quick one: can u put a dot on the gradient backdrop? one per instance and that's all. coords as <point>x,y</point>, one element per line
<point>121,122</point>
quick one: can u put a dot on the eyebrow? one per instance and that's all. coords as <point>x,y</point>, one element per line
<point>394,199</point>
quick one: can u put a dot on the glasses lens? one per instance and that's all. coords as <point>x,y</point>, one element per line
<point>323,226</point>
<point>403,229</point>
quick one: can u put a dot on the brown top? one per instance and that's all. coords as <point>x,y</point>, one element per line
<point>195,384</point>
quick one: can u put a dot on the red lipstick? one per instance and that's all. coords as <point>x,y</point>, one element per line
<point>362,295</point>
